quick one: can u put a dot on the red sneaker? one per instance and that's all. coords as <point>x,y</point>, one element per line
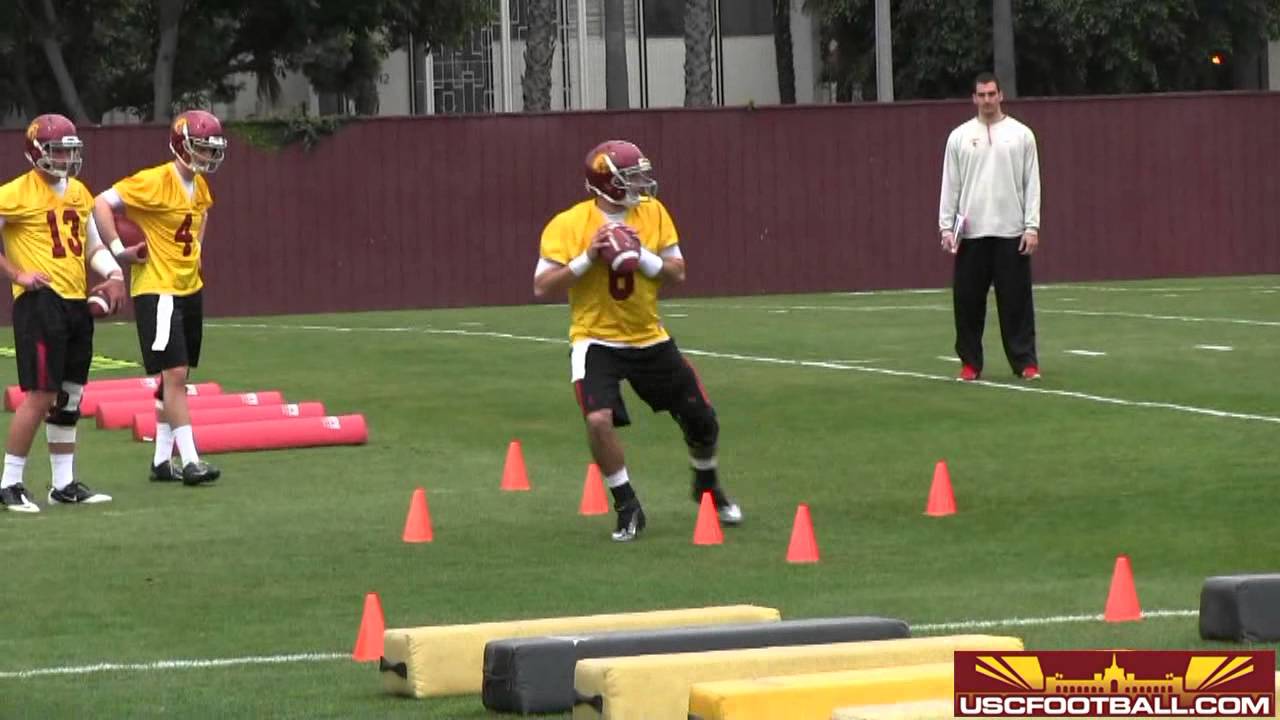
<point>1031,372</point>
<point>969,373</point>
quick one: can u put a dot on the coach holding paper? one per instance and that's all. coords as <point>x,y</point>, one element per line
<point>989,218</point>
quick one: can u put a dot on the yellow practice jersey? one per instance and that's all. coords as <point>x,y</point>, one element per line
<point>173,222</point>
<point>604,305</point>
<point>47,233</point>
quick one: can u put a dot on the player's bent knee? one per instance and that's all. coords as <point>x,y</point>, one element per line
<point>701,429</point>
<point>600,422</point>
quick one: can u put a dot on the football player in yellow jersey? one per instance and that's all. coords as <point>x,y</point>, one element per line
<point>616,332</point>
<point>170,203</point>
<point>48,236</point>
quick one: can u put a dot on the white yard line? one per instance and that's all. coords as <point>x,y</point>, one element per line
<point>947,308</point>
<point>1071,287</point>
<point>1087,353</point>
<point>1174,318</point>
<point>818,364</point>
<point>802,308</point>
<point>1216,348</point>
<point>159,665</point>
<point>1041,621</point>
<point>174,665</point>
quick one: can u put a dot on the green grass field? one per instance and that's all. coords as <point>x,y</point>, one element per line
<point>841,401</point>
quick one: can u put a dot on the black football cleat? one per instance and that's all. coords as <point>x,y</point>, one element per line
<point>728,510</point>
<point>14,499</point>
<point>166,472</point>
<point>77,493</point>
<point>199,473</point>
<point>630,521</point>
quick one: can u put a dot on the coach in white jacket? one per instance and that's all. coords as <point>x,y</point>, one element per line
<point>989,218</point>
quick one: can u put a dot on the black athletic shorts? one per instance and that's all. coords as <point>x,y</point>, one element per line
<point>178,320</point>
<point>54,339</point>
<point>659,374</point>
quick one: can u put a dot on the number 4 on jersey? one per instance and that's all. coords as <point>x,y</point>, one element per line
<point>184,236</point>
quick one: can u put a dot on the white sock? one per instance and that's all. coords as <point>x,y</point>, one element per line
<point>63,469</point>
<point>617,479</point>
<point>13,467</point>
<point>164,444</point>
<point>186,443</point>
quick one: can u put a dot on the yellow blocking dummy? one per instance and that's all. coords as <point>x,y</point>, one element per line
<point>815,696</point>
<point>924,710</point>
<point>449,659</point>
<point>657,686</point>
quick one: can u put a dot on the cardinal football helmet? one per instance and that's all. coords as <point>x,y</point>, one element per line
<point>197,141</point>
<point>619,172</point>
<point>53,146</point>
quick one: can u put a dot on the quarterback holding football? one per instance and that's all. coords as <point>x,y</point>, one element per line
<point>612,252</point>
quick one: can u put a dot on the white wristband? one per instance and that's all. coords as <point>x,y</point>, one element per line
<point>116,246</point>
<point>650,264</point>
<point>580,265</point>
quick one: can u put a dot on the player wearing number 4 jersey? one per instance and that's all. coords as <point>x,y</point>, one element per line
<point>49,235</point>
<point>170,203</point>
<point>616,332</point>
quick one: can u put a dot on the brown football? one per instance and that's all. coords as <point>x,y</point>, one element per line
<point>622,254</point>
<point>99,305</point>
<point>130,233</point>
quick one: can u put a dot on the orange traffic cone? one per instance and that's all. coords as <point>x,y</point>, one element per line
<point>804,546</point>
<point>942,501</point>
<point>369,641</point>
<point>1122,599</point>
<point>514,477</point>
<point>417,526</point>
<point>707,531</point>
<point>593,501</point>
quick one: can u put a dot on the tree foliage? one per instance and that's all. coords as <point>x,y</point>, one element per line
<point>1063,47</point>
<point>113,53</point>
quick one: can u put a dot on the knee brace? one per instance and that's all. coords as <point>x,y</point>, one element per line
<point>701,429</point>
<point>66,409</point>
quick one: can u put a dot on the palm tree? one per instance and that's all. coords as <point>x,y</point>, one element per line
<point>617,89</point>
<point>1002,42</point>
<point>698,24</point>
<point>539,50</point>
<point>782,52</point>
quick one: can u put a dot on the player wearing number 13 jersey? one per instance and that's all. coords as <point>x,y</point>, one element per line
<point>48,238</point>
<point>170,204</point>
<point>616,332</point>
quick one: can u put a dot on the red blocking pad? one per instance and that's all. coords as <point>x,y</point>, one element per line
<point>279,434</point>
<point>144,423</point>
<point>89,404</point>
<point>147,381</point>
<point>119,415</point>
<point>14,396</point>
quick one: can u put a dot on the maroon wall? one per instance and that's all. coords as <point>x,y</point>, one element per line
<point>447,211</point>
